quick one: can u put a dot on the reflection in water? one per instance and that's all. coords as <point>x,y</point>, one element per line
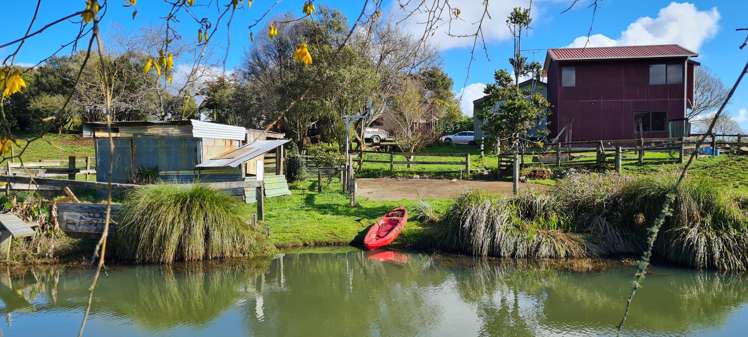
<point>386,293</point>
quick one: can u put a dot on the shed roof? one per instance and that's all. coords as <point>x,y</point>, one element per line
<point>617,53</point>
<point>243,154</point>
<point>200,129</point>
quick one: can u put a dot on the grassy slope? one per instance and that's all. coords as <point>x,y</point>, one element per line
<point>308,217</point>
<point>54,146</point>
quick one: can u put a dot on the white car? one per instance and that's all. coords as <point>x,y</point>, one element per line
<point>462,137</point>
<point>376,135</point>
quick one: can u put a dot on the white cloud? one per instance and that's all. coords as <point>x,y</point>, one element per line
<point>680,23</point>
<point>494,26</point>
<point>468,94</point>
<point>742,118</point>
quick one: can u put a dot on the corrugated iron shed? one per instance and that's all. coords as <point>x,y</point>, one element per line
<point>243,154</point>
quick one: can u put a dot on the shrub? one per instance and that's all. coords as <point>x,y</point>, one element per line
<point>167,223</point>
<point>325,154</point>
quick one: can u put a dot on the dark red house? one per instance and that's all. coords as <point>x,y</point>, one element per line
<point>611,93</point>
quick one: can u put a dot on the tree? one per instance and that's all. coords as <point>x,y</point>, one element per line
<point>439,96</point>
<point>340,82</point>
<point>509,112</point>
<point>518,21</point>
<point>709,93</point>
<point>218,101</point>
<point>725,125</point>
<point>409,119</point>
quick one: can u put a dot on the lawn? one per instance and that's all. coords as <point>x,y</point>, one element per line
<point>310,218</point>
<point>56,147</point>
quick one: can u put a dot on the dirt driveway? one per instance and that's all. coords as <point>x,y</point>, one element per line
<point>411,189</point>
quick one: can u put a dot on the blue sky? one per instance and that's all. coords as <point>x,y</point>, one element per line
<point>708,26</point>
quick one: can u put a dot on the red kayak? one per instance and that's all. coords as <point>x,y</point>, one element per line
<point>387,229</point>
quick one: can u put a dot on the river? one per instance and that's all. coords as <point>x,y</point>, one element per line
<point>346,292</point>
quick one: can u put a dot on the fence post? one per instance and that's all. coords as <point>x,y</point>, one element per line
<point>467,163</point>
<point>260,196</point>
<point>515,174</point>
<point>353,189</point>
<point>71,168</point>
<point>619,160</point>
<point>558,154</point>
<point>600,156</point>
<point>641,151</point>
<point>714,145</point>
<point>682,151</point>
<point>392,163</point>
<point>739,139</point>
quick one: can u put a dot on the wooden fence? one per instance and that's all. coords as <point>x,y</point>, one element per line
<point>462,165</point>
<point>53,168</point>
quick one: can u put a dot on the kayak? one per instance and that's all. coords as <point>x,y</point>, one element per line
<point>386,229</point>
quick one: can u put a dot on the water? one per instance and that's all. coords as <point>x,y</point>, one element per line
<point>352,293</point>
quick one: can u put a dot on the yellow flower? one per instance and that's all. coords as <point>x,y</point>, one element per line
<point>302,54</point>
<point>148,65</point>
<point>235,2</point>
<point>206,36</point>
<point>92,8</point>
<point>151,63</point>
<point>14,84</point>
<point>199,36</point>
<point>249,3</point>
<point>272,31</point>
<point>5,145</point>
<point>308,7</point>
<point>190,2</point>
<point>169,61</point>
<point>133,2</point>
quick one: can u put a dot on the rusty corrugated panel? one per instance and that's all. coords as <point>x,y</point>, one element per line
<point>620,52</point>
<point>202,129</point>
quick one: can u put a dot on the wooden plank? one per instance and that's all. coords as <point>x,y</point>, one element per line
<point>17,227</point>
<point>85,218</point>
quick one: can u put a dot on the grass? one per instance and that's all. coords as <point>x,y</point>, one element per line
<point>310,218</point>
<point>167,223</point>
<point>56,147</point>
<point>605,215</point>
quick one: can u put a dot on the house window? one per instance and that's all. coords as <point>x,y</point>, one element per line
<point>568,77</point>
<point>674,73</point>
<point>657,74</point>
<point>649,121</point>
<point>665,74</point>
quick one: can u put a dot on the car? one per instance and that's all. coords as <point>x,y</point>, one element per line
<point>462,137</point>
<point>375,135</point>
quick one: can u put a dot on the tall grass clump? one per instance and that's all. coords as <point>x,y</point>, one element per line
<point>708,228</point>
<point>520,227</point>
<point>167,223</point>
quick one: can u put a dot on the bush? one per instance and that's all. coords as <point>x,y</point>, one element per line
<point>167,223</point>
<point>325,154</point>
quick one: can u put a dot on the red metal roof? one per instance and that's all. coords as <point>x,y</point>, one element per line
<point>622,52</point>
